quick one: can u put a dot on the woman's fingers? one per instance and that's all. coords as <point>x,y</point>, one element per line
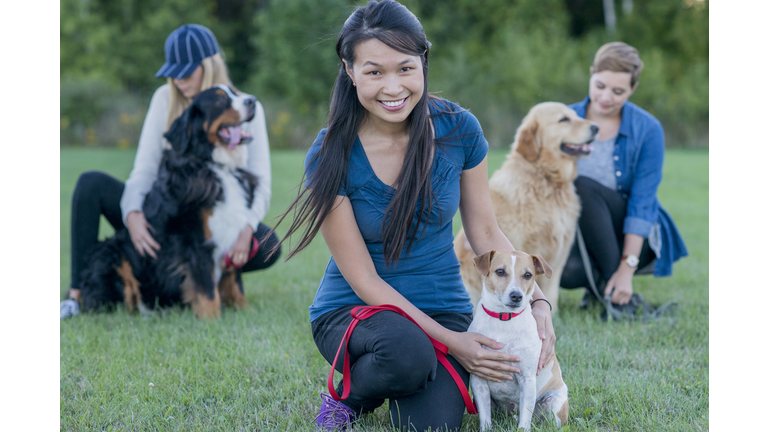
<point>621,295</point>
<point>547,334</point>
<point>492,375</point>
<point>145,244</point>
<point>148,248</point>
<point>240,251</point>
<point>490,363</point>
<point>486,341</point>
<point>137,245</point>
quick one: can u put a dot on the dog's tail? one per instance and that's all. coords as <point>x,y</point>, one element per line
<point>101,286</point>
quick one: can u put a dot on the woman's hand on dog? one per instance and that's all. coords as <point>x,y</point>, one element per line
<point>139,228</point>
<point>467,349</point>
<point>242,248</point>
<point>546,331</point>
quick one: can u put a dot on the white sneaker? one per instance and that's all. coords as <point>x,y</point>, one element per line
<point>68,308</point>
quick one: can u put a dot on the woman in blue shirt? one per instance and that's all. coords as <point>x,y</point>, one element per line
<point>383,182</point>
<point>624,226</point>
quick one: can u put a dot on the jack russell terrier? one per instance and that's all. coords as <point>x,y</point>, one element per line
<point>504,314</point>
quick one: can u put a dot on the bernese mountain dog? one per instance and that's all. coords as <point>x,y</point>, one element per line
<point>197,207</point>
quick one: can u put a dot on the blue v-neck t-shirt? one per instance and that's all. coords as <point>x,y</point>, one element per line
<point>427,274</point>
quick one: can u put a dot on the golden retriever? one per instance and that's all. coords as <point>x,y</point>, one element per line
<point>533,195</point>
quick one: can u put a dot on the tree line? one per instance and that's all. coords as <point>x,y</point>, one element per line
<point>495,57</point>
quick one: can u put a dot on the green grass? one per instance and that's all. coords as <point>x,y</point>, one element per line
<point>259,369</point>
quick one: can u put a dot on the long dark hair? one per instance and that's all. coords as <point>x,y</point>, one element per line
<point>394,25</point>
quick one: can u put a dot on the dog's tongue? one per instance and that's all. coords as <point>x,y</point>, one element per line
<point>235,133</point>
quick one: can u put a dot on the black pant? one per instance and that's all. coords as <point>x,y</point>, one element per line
<point>392,358</point>
<point>97,194</point>
<point>601,222</point>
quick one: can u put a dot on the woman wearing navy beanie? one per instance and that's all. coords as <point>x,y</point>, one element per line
<point>193,63</point>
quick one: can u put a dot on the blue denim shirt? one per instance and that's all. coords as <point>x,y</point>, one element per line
<point>638,157</point>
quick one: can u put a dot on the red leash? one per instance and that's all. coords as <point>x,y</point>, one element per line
<point>254,248</point>
<point>363,312</point>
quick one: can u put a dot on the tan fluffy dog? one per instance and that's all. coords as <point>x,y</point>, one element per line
<point>533,195</point>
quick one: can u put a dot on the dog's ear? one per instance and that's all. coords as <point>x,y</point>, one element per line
<point>483,262</point>
<point>541,266</point>
<point>181,130</point>
<point>527,142</point>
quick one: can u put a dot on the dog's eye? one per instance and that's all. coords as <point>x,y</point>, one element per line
<point>527,275</point>
<point>564,119</point>
<point>501,272</point>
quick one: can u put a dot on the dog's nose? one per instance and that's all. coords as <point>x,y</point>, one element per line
<point>250,102</point>
<point>595,129</point>
<point>516,296</point>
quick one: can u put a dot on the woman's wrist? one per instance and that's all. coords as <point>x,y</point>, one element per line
<point>448,338</point>
<point>541,303</point>
<point>625,269</point>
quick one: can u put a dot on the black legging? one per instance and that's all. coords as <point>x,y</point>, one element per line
<point>96,194</point>
<point>602,222</point>
<point>391,358</point>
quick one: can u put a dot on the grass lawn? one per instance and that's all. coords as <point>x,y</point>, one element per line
<point>259,369</point>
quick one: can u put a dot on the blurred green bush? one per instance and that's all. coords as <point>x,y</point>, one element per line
<point>495,57</point>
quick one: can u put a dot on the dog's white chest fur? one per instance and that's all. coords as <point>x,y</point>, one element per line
<point>519,336</point>
<point>231,214</point>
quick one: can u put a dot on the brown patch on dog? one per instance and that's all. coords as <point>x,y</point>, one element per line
<point>201,305</point>
<point>563,413</point>
<point>131,293</point>
<point>205,214</point>
<point>483,262</point>
<point>527,142</point>
<point>230,291</point>
<point>556,382</point>
<point>541,266</point>
<point>230,116</point>
<point>206,308</point>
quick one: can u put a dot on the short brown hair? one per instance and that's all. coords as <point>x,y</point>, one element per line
<point>619,57</point>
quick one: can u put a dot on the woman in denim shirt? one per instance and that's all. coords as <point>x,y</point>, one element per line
<point>624,226</point>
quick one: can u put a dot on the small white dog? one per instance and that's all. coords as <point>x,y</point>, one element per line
<point>504,314</point>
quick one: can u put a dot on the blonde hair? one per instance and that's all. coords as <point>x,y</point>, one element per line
<point>214,72</point>
<point>618,57</point>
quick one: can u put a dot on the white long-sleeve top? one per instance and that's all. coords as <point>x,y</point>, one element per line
<point>150,152</point>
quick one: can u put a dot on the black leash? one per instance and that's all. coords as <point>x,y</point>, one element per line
<point>637,300</point>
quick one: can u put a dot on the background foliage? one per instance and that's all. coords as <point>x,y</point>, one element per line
<point>495,57</point>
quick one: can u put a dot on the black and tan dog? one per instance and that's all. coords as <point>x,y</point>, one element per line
<point>197,207</point>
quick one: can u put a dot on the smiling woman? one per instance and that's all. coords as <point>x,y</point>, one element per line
<point>625,228</point>
<point>389,83</point>
<point>383,183</point>
<point>192,64</point>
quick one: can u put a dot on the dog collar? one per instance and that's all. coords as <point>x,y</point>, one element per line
<point>504,316</point>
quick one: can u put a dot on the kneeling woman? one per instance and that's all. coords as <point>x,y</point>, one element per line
<point>192,64</point>
<point>624,226</point>
<point>384,182</point>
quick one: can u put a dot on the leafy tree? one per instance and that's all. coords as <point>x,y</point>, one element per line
<point>496,57</point>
